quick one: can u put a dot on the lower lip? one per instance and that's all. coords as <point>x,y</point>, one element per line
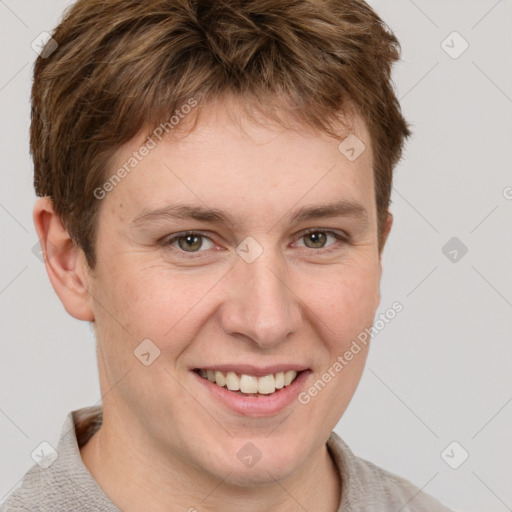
<point>266,405</point>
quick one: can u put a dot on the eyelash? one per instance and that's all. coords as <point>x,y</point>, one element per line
<point>194,254</point>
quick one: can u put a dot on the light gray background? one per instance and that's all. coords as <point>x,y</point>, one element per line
<point>440,372</point>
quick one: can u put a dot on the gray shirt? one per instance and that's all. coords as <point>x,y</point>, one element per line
<point>66,485</point>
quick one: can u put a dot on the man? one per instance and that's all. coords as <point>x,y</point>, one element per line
<point>214,182</point>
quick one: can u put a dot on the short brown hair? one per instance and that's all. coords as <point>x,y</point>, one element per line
<point>123,64</point>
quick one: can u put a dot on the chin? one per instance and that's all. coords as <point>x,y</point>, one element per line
<point>258,476</point>
<point>260,462</point>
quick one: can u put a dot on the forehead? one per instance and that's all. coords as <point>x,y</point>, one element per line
<point>231,163</point>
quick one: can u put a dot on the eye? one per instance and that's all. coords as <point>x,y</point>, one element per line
<point>193,242</point>
<point>318,239</point>
<point>189,242</point>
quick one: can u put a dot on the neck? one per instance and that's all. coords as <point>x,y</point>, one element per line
<point>136,477</point>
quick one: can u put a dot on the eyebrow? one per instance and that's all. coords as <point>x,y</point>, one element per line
<point>342,208</point>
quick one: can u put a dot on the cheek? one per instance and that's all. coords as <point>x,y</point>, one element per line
<point>152,301</point>
<point>156,303</point>
<point>345,303</point>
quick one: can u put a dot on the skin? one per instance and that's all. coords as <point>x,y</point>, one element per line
<point>165,445</point>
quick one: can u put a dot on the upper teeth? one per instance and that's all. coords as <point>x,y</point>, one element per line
<point>249,383</point>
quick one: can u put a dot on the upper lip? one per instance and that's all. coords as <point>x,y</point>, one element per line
<point>256,371</point>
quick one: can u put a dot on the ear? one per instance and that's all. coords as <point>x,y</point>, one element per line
<point>385,234</point>
<point>65,262</point>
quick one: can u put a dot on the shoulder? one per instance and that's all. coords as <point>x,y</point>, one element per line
<point>63,482</point>
<point>34,493</point>
<point>369,488</point>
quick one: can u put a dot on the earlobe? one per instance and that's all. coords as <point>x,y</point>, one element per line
<point>64,261</point>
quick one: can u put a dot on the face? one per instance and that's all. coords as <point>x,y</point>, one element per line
<point>263,287</point>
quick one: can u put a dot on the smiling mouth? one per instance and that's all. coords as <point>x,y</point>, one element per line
<point>249,385</point>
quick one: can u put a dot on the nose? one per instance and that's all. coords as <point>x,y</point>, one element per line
<point>261,306</point>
